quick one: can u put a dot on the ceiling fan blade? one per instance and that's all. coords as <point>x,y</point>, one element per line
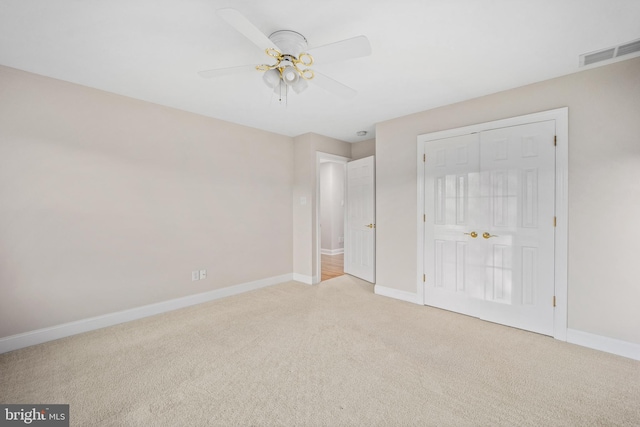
<point>355,47</point>
<point>333,86</point>
<point>246,28</point>
<point>219,72</point>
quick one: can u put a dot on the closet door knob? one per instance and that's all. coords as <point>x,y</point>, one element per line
<point>488,236</point>
<point>473,234</point>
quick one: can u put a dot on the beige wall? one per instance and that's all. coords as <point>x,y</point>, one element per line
<point>108,203</point>
<point>604,200</point>
<point>362,149</point>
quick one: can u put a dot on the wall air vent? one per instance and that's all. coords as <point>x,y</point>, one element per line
<point>628,50</point>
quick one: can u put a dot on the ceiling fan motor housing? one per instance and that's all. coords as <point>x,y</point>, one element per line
<point>289,42</point>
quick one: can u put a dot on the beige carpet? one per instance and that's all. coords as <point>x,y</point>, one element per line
<point>328,355</point>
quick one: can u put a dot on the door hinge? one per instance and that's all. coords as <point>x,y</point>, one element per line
<point>555,140</point>
<point>424,158</point>
<point>555,221</point>
<point>424,277</point>
<point>424,218</point>
<point>554,300</point>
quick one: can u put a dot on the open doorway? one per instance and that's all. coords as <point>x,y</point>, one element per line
<point>331,215</point>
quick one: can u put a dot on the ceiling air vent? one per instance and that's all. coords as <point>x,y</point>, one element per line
<point>628,48</point>
<point>631,49</point>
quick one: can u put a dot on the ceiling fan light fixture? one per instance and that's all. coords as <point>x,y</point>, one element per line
<point>299,86</point>
<point>290,75</point>
<point>289,62</point>
<point>271,77</point>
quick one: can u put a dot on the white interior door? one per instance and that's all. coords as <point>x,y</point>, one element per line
<point>489,240</point>
<point>360,233</point>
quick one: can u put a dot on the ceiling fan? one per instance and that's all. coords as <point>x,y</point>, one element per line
<point>292,59</point>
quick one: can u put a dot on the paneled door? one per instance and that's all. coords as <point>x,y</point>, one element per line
<point>489,225</point>
<point>360,235</point>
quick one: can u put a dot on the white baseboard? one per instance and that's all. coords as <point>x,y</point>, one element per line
<point>397,294</point>
<point>585,339</point>
<point>14,342</point>
<point>39,336</point>
<point>308,280</point>
<point>332,251</point>
<point>602,343</point>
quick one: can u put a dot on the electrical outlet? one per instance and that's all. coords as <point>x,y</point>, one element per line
<point>195,275</point>
<point>203,274</point>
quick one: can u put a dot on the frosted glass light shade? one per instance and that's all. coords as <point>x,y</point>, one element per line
<point>299,86</point>
<point>290,76</point>
<point>271,78</point>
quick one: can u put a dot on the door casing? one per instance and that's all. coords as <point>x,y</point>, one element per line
<point>560,116</point>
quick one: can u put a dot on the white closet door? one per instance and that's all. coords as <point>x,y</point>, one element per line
<point>489,242</point>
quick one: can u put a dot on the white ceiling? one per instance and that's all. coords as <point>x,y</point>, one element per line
<point>426,53</point>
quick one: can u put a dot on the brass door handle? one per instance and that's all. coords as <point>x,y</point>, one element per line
<point>487,235</point>
<point>370,225</point>
<point>473,234</point>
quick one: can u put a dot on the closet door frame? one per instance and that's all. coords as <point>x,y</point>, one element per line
<point>561,118</point>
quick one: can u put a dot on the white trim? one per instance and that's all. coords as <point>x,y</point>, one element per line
<point>602,343</point>
<point>39,336</point>
<point>562,224</point>
<point>420,221</point>
<point>397,294</point>
<point>561,117</point>
<point>323,158</point>
<point>307,280</point>
<point>332,251</point>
